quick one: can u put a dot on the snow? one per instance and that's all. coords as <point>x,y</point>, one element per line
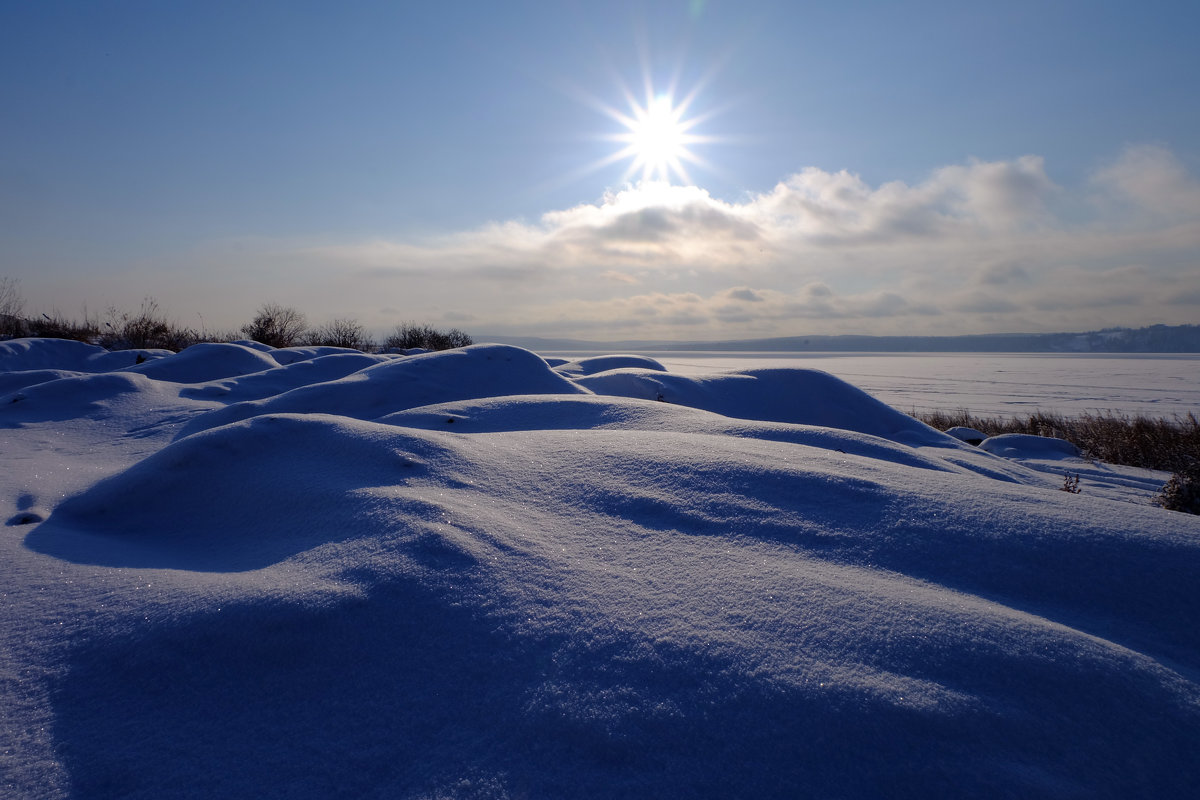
<point>965,434</point>
<point>986,384</point>
<point>594,364</point>
<point>475,574</point>
<point>205,362</point>
<point>1024,445</point>
<point>19,355</point>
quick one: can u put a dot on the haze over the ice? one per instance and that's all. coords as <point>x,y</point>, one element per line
<point>682,170</point>
<point>309,572</point>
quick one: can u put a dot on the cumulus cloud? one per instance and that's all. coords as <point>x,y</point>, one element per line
<point>973,247</point>
<point>1147,180</point>
<point>956,201</point>
<point>659,226</point>
<point>744,294</point>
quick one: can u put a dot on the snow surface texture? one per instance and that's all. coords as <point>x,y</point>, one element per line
<point>238,572</point>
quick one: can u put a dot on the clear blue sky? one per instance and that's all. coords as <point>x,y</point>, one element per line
<point>939,167</point>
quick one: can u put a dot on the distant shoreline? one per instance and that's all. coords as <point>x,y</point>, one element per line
<point>1165,339</point>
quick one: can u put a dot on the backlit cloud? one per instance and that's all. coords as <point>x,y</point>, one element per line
<point>975,247</point>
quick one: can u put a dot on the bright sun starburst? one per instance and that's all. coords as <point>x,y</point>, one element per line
<point>657,138</point>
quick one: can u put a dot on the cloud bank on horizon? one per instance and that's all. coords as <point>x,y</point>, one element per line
<point>976,247</point>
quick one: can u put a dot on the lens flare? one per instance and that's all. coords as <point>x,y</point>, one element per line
<point>657,135</point>
<point>657,140</point>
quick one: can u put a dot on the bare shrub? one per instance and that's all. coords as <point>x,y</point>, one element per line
<point>408,335</point>
<point>339,333</point>
<point>56,326</point>
<point>221,335</point>
<point>276,325</point>
<point>149,328</point>
<point>12,306</point>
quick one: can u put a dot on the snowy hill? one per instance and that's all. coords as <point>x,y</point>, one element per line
<point>245,572</point>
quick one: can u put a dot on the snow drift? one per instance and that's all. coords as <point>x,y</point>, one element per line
<point>475,574</point>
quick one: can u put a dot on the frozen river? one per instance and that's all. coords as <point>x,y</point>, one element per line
<point>988,383</point>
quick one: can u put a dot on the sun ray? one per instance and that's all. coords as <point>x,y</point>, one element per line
<point>657,136</point>
<point>656,128</point>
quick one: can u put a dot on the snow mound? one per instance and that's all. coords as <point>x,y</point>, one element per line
<point>124,359</point>
<point>294,476</point>
<point>69,355</point>
<point>275,381</point>
<point>290,355</point>
<point>800,396</point>
<point>12,381</point>
<point>965,434</point>
<point>478,371</point>
<point>98,396</point>
<point>705,614</point>
<point>31,354</point>
<point>1023,445</point>
<point>590,366</point>
<point>205,362</point>
<point>254,345</point>
<point>591,412</point>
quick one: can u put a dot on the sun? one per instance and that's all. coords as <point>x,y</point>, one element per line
<point>657,138</point>
<point>657,132</point>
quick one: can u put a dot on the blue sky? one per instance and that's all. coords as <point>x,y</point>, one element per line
<point>925,167</point>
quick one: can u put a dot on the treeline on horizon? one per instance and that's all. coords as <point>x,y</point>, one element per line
<point>273,324</point>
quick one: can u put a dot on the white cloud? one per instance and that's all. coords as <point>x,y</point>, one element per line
<point>1003,273</point>
<point>658,228</point>
<point>1149,180</point>
<point>840,208</point>
<point>975,247</point>
<point>744,294</point>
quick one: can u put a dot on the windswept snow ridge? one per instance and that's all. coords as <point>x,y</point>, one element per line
<point>246,572</point>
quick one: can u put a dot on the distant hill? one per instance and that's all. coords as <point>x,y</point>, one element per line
<point>1154,339</point>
